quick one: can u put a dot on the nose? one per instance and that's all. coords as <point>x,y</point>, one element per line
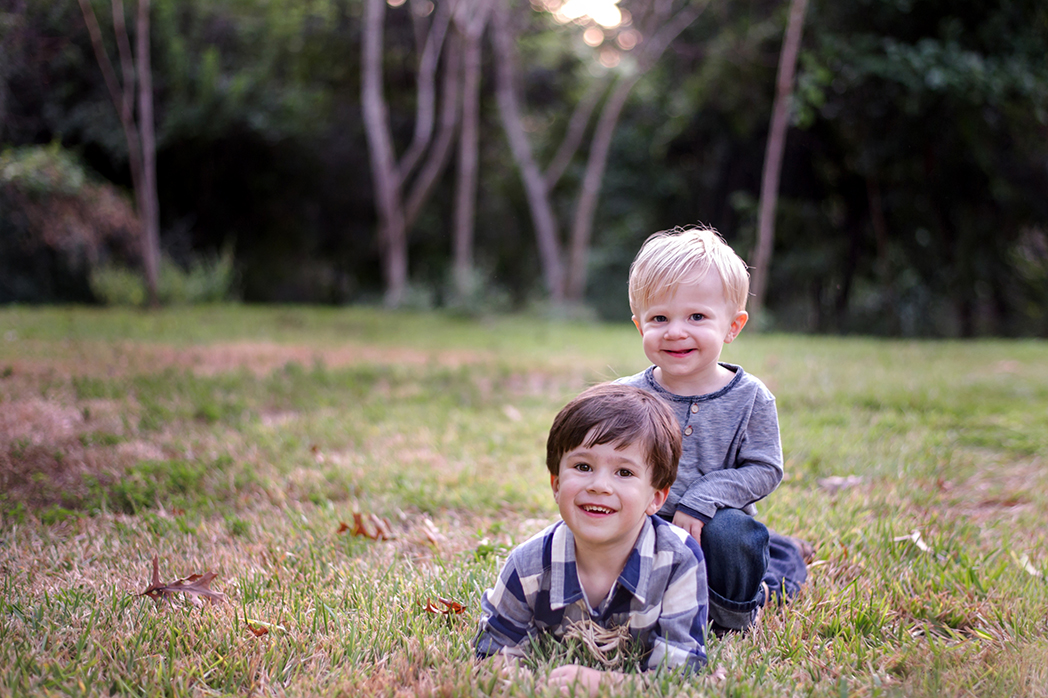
<point>674,329</point>
<point>600,482</point>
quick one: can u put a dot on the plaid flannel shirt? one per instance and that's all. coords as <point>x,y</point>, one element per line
<point>661,595</point>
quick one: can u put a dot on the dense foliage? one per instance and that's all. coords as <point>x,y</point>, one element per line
<point>913,197</point>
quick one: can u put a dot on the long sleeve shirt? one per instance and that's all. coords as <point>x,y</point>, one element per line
<point>731,452</point>
<point>661,595</point>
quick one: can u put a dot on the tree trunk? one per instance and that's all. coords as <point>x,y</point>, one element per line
<point>586,208</point>
<point>659,23</point>
<point>439,153</point>
<point>392,236</point>
<point>140,137</point>
<point>542,215</point>
<point>150,210</point>
<point>773,155</point>
<point>389,177</point>
<point>472,19</point>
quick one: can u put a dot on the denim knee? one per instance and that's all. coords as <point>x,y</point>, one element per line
<point>735,546</point>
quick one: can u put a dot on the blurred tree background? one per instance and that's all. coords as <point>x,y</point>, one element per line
<point>913,198</point>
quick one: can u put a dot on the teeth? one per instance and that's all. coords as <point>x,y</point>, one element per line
<point>596,509</point>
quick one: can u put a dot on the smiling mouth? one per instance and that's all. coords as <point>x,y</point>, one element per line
<point>679,352</point>
<point>594,509</point>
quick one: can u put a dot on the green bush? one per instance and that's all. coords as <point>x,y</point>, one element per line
<point>115,285</point>
<point>204,281</point>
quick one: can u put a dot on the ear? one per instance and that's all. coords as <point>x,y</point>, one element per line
<point>636,323</point>
<point>554,483</point>
<point>736,326</point>
<point>657,500</point>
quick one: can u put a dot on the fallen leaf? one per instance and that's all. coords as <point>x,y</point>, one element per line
<point>257,632</point>
<point>193,587</point>
<point>915,537</point>
<point>450,607</point>
<point>1024,562</point>
<point>342,527</point>
<point>371,526</point>
<point>429,530</point>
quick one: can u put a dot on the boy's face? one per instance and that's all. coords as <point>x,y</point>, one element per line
<point>683,333</point>
<point>604,494</point>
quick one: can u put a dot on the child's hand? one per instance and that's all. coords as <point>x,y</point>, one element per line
<point>689,524</point>
<point>509,669</point>
<point>580,680</point>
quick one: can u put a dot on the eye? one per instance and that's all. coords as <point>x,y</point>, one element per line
<point>658,318</point>
<point>697,316</point>
<point>583,467</point>
<point>626,472</point>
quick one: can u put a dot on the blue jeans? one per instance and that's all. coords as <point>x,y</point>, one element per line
<point>741,553</point>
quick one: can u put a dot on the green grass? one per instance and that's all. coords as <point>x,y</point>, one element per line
<point>238,440</point>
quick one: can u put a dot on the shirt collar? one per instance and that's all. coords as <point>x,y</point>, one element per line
<point>565,588</point>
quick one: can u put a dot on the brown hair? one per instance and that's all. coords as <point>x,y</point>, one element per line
<point>620,415</point>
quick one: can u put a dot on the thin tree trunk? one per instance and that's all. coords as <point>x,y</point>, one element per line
<point>426,91</point>
<point>440,152</point>
<point>150,202</point>
<point>586,208</point>
<point>390,178</point>
<point>468,155</point>
<point>576,130</point>
<point>542,215</point>
<point>140,138</point>
<point>392,227</point>
<point>773,155</point>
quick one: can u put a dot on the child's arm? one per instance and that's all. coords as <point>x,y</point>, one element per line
<point>680,634</point>
<point>745,465</point>
<point>507,616</point>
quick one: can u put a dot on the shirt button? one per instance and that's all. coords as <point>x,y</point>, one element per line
<point>687,430</point>
<point>695,408</point>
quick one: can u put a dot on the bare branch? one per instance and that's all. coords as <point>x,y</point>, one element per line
<point>580,118</point>
<point>437,159</point>
<point>426,105</point>
<point>126,61</point>
<point>100,54</point>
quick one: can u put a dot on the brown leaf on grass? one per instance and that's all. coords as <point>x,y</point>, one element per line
<point>257,632</point>
<point>432,535</point>
<point>450,607</point>
<point>194,587</point>
<point>368,526</point>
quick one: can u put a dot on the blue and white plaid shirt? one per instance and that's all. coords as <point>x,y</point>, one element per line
<point>661,595</point>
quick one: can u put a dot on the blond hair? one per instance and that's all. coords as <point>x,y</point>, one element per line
<point>671,257</point>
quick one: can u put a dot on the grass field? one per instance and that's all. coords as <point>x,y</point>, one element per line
<point>242,441</point>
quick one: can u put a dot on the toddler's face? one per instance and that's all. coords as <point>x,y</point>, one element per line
<point>683,333</point>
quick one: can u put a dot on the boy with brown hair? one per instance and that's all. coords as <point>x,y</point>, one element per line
<point>687,291</point>
<point>612,456</point>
